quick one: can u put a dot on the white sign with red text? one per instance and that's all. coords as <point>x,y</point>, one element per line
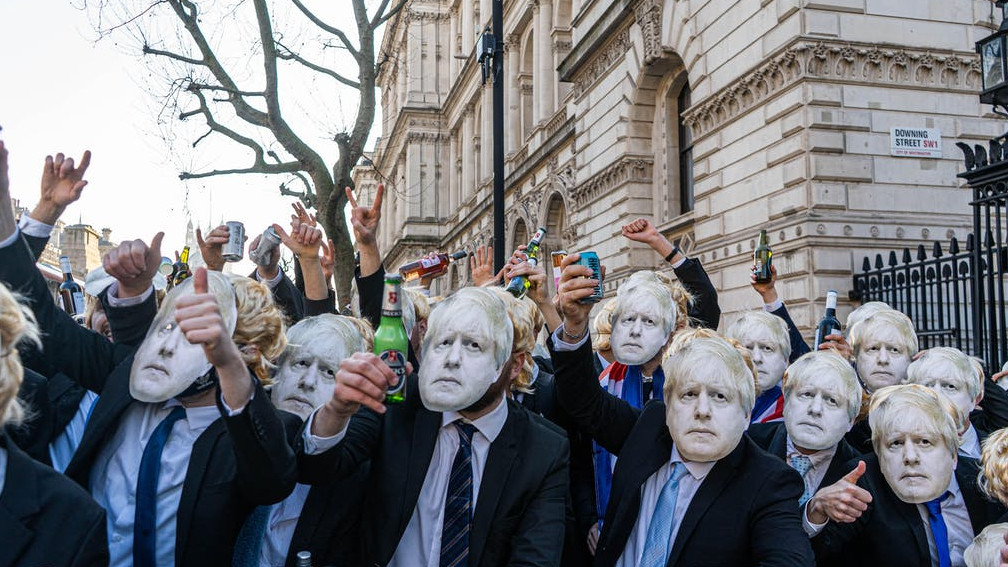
<point>915,142</point>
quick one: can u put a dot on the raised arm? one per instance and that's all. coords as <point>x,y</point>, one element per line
<point>773,304</point>
<point>601,415</point>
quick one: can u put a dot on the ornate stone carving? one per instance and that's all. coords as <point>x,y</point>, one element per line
<point>555,123</point>
<point>424,137</point>
<point>648,15</point>
<point>569,236</point>
<point>607,56</point>
<point>630,169</point>
<point>849,63</point>
<point>430,16</point>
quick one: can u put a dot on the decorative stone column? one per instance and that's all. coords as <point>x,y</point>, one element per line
<point>468,167</point>
<point>512,122</point>
<point>546,79</point>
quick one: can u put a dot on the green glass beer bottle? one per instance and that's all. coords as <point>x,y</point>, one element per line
<point>762,259</point>
<point>390,341</point>
<point>518,286</point>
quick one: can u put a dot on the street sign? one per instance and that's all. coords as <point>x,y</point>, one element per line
<point>915,142</point>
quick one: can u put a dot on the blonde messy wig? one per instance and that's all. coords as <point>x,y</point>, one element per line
<point>521,312</point>
<point>695,347</point>
<point>602,327</point>
<point>681,298</point>
<point>994,466</point>
<point>17,325</point>
<point>260,325</point>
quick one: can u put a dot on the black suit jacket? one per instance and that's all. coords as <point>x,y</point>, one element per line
<point>239,462</point>
<point>34,432</point>
<point>519,513</point>
<point>798,344</point>
<point>744,512</point>
<point>891,532</point>
<point>46,519</point>
<point>705,309</point>
<point>772,437</point>
<point>288,297</point>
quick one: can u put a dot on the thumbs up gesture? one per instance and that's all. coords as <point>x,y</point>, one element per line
<point>200,320</point>
<point>843,501</point>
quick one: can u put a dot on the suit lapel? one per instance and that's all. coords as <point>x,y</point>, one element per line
<point>107,412</point>
<point>425,431</point>
<point>778,445</point>
<point>966,475</point>
<point>199,462</point>
<point>709,490</point>
<point>913,519</point>
<point>18,501</point>
<point>500,459</point>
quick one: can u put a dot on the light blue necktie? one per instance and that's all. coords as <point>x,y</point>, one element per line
<point>660,529</point>
<point>803,465</point>
<point>938,529</point>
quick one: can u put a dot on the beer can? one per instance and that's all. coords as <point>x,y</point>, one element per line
<point>591,260</point>
<point>234,249</point>
<point>268,242</point>
<point>558,257</point>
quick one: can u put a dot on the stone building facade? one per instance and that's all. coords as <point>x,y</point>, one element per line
<point>714,118</point>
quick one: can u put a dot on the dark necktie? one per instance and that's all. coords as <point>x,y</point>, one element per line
<point>938,529</point>
<point>458,502</point>
<point>145,519</point>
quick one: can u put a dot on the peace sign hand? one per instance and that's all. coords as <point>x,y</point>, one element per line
<point>365,219</point>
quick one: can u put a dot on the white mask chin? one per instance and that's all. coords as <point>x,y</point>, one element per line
<point>459,365</point>
<point>638,330</point>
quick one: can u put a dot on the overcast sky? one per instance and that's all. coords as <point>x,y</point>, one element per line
<point>61,90</point>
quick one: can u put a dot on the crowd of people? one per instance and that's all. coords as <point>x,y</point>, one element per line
<point>243,420</point>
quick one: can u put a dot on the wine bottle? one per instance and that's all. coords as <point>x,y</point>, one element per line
<point>304,559</point>
<point>429,267</point>
<point>519,285</point>
<point>71,292</point>
<point>762,260</point>
<point>829,324</point>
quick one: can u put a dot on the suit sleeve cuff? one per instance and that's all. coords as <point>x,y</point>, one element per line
<point>771,307</point>
<point>681,261</point>
<point>32,227</point>
<point>272,282</point>
<point>560,345</point>
<point>811,529</point>
<point>10,239</point>
<point>314,444</point>
<point>115,301</point>
<point>233,412</point>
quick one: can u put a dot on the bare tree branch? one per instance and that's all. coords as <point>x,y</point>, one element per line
<point>380,19</point>
<point>289,55</point>
<point>205,87</point>
<point>148,50</point>
<point>326,27</point>
<point>265,168</point>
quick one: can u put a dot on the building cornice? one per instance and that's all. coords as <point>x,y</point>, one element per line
<point>844,62</point>
<point>628,169</point>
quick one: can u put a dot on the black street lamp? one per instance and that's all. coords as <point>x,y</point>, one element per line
<point>993,51</point>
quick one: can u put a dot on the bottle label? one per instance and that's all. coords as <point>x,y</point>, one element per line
<point>391,307</point>
<point>395,360</point>
<point>429,262</point>
<point>78,301</point>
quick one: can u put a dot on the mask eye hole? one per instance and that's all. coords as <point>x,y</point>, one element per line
<point>168,327</point>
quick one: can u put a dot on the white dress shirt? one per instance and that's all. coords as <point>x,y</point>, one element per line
<point>970,444</point>
<point>820,464</point>
<point>688,486</point>
<point>115,472</point>
<point>957,523</point>
<point>63,447</point>
<point>280,526</point>
<point>421,542</point>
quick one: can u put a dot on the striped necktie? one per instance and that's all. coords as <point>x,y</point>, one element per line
<point>458,502</point>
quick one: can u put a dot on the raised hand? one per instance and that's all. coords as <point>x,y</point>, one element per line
<point>61,185</point>
<point>766,290</point>
<point>212,249</point>
<point>362,379</point>
<point>641,230</point>
<point>837,342</point>
<point>303,240</point>
<point>302,215</point>
<point>576,283</point>
<point>365,219</point>
<point>328,259</point>
<point>133,264</point>
<point>843,501</point>
<point>481,267</point>
<point>270,270</point>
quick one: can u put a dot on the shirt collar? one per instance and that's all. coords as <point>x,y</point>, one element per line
<point>697,470</point>
<point>819,458</point>
<point>969,445</point>
<point>535,373</point>
<point>197,418</point>
<point>490,425</point>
